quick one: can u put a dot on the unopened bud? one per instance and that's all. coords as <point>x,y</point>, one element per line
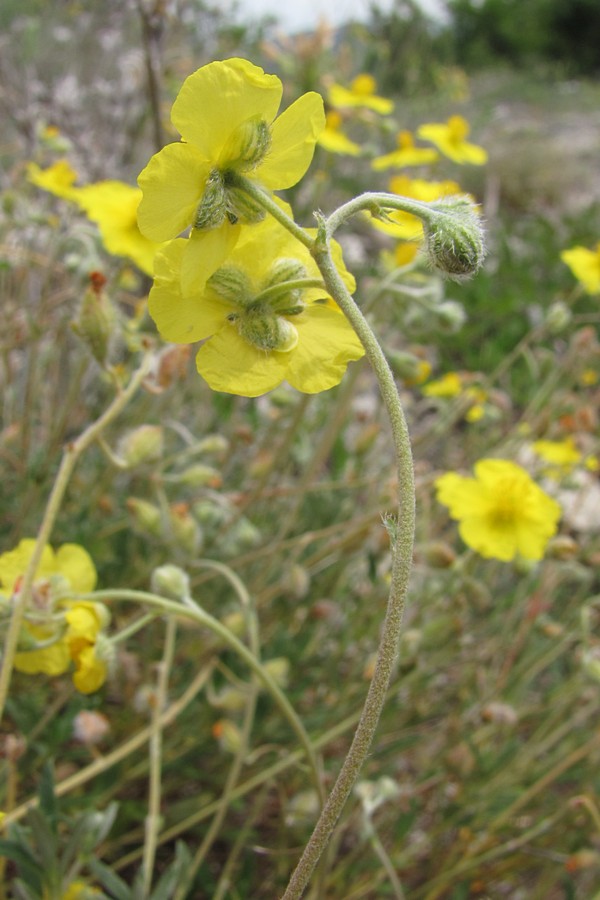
<point>438,554</point>
<point>185,530</point>
<point>199,475</point>
<point>562,547</point>
<point>211,210</point>
<point>146,516</point>
<point>454,238</point>
<point>96,319</point>
<point>450,316</point>
<point>279,670</point>
<point>231,699</point>
<point>143,444</point>
<point>170,581</point>
<point>558,317</point>
<point>590,662</point>
<point>405,365</point>
<point>267,331</point>
<point>213,444</point>
<point>247,145</point>
<point>232,284</point>
<point>228,735</point>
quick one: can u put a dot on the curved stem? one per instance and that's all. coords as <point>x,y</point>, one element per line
<point>199,615</point>
<point>401,533</point>
<point>71,455</point>
<point>153,819</point>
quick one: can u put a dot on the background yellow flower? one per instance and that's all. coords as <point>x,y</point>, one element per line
<point>502,513</point>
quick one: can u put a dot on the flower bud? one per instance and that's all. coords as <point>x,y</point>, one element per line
<point>211,211</point>
<point>454,238</point>
<point>96,319</point>
<point>558,317</point>
<point>279,670</point>
<point>247,145</point>
<point>231,699</point>
<point>213,444</point>
<point>228,735</point>
<point>267,331</point>
<point>146,516</point>
<point>199,475</point>
<point>185,530</point>
<point>232,284</point>
<point>590,662</point>
<point>405,365</point>
<point>450,316</point>
<point>170,581</point>
<point>143,444</point>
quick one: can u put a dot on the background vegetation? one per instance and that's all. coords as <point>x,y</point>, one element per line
<point>490,733</point>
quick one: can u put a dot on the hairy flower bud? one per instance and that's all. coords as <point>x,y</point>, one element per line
<point>170,581</point>
<point>454,238</point>
<point>267,331</point>
<point>96,319</point>
<point>247,146</point>
<point>232,284</point>
<point>142,444</point>
<point>211,210</point>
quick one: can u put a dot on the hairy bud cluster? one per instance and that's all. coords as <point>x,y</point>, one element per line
<point>222,199</point>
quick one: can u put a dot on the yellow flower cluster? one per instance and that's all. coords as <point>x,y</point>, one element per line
<point>58,634</point>
<point>237,279</point>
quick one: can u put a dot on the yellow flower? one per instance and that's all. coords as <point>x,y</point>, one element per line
<point>84,621</point>
<point>225,113</point>
<point>70,562</point>
<point>360,94</point>
<point>403,225</point>
<point>502,512</point>
<point>406,154</point>
<point>111,205</point>
<point>449,385</point>
<point>71,631</point>
<point>332,138</point>
<point>563,456</point>
<point>451,140</point>
<point>585,266</point>
<point>58,179</point>
<point>261,333</point>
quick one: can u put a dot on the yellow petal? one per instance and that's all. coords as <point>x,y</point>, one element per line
<point>180,319</point>
<point>204,252</point>
<point>91,671</point>
<point>219,97</point>
<point>294,134</point>
<point>13,563</point>
<point>76,565</point>
<point>327,343</point>
<point>172,184</point>
<point>232,365</point>
<point>53,660</point>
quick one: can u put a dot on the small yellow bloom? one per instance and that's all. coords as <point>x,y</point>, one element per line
<point>261,332</point>
<point>58,179</point>
<point>226,115</point>
<point>407,154</point>
<point>360,94</point>
<point>111,205</point>
<point>502,512</point>
<point>585,266</point>
<point>588,378</point>
<point>449,385</point>
<point>332,138</point>
<point>70,561</point>
<point>560,453</point>
<point>72,628</point>
<point>451,140</point>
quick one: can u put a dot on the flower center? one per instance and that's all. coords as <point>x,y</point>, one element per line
<point>509,502</point>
